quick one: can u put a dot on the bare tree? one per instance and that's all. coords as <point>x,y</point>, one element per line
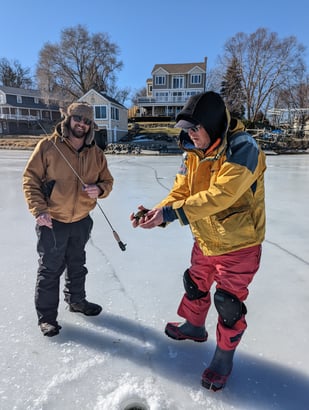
<point>295,100</point>
<point>120,95</point>
<point>142,92</point>
<point>294,95</point>
<point>266,63</point>
<point>12,74</point>
<point>214,79</point>
<point>79,62</point>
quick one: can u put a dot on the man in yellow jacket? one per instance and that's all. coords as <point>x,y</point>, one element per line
<point>219,192</point>
<point>63,178</point>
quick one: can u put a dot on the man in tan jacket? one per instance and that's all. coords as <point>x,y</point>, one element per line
<point>63,178</point>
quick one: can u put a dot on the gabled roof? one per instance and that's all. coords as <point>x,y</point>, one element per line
<point>12,92</point>
<point>112,100</point>
<point>20,91</point>
<point>179,68</point>
<point>105,96</point>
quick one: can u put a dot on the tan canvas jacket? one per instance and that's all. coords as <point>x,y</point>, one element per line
<point>50,185</point>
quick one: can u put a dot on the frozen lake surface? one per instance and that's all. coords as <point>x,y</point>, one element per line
<point>123,356</point>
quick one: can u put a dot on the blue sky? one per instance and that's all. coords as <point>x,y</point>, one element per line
<point>147,33</point>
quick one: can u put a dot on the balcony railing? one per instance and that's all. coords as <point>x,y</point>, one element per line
<point>18,117</point>
<point>162,100</point>
<point>169,98</point>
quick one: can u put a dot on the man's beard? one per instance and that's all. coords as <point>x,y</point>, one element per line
<point>78,134</point>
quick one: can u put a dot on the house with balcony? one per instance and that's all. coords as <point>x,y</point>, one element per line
<point>22,111</point>
<point>110,116</point>
<point>27,112</point>
<point>170,87</point>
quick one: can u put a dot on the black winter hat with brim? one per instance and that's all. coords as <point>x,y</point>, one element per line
<point>207,109</point>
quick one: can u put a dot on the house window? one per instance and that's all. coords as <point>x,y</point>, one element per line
<point>160,80</point>
<point>114,113</point>
<point>178,82</point>
<point>162,96</point>
<point>196,79</point>
<point>36,100</point>
<point>100,112</point>
<point>19,99</point>
<point>45,115</point>
<point>190,93</point>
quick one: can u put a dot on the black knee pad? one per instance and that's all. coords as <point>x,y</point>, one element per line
<point>191,288</point>
<point>229,307</point>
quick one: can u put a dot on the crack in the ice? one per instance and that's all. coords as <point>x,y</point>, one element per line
<point>125,293</point>
<point>287,251</point>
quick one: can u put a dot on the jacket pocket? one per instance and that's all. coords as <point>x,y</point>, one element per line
<point>235,227</point>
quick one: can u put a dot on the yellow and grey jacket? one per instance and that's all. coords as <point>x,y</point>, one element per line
<point>50,185</point>
<point>220,192</point>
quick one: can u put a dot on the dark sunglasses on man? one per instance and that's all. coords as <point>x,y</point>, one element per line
<point>192,129</point>
<point>79,118</point>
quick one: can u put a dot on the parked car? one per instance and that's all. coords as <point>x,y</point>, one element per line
<point>142,138</point>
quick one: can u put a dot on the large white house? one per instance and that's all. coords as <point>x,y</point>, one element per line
<point>26,111</point>
<point>170,87</point>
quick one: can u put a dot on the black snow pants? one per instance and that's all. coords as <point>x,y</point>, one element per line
<point>61,249</point>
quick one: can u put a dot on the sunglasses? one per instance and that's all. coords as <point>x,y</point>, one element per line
<point>79,118</point>
<point>193,129</point>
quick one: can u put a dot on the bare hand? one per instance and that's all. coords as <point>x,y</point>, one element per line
<point>44,220</point>
<point>139,216</point>
<point>152,219</point>
<point>148,220</point>
<point>93,191</point>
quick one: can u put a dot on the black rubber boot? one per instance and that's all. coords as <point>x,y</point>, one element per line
<point>215,376</point>
<point>185,331</point>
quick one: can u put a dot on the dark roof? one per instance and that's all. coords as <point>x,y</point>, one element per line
<point>20,91</point>
<point>12,92</point>
<point>112,100</point>
<point>179,68</point>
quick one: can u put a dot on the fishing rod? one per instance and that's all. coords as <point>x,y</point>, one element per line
<point>122,245</point>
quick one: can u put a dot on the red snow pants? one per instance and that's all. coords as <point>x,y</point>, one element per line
<point>233,273</point>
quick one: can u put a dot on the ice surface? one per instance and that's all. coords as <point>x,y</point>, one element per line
<point>123,357</point>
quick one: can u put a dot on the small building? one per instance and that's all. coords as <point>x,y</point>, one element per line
<point>24,111</point>
<point>110,116</point>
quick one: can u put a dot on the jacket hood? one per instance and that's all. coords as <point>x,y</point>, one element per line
<point>209,110</point>
<point>218,146</point>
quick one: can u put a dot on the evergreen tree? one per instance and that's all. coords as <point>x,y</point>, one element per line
<point>232,90</point>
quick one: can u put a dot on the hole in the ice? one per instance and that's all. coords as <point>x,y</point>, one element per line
<point>135,405</point>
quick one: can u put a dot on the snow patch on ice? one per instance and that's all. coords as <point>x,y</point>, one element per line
<point>65,376</point>
<point>129,390</point>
